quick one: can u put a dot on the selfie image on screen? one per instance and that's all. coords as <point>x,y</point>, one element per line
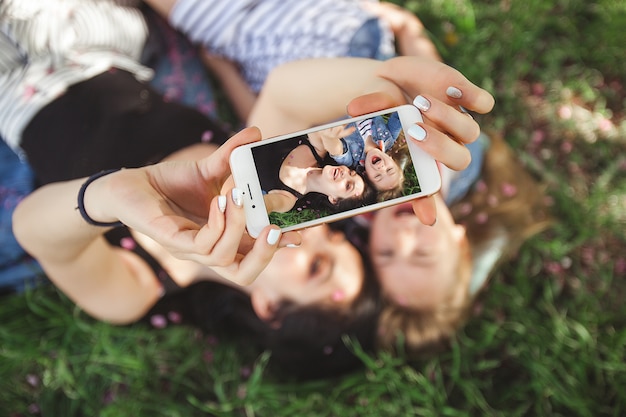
<point>335,169</point>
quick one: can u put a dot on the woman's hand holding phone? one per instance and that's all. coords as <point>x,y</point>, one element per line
<point>178,204</point>
<point>443,94</point>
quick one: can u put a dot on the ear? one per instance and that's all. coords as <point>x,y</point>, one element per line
<point>332,200</point>
<point>263,305</point>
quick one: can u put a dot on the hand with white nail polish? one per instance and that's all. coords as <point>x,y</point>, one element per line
<point>438,90</point>
<point>188,208</point>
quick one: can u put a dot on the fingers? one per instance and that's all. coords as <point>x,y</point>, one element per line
<point>217,164</point>
<point>245,136</point>
<point>218,240</point>
<point>420,75</point>
<point>471,97</point>
<point>223,245</point>
<point>437,144</point>
<point>426,210</point>
<point>372,102</point>
<point>460,126</point>
<point>247,268</point>
<point>347,131</point>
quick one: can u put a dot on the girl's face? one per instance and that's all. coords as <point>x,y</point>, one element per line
<point>417,265</point>
<point>382,170</point>
<point>325,269</point>
<point>340,183</point>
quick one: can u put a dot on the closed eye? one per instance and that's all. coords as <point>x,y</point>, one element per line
<point>320,268</point>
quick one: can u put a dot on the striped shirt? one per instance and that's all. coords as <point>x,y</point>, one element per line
<point>49,45</point>
<point>262,34</point>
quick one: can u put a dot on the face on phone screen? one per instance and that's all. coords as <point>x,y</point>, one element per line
<point>336,169</point>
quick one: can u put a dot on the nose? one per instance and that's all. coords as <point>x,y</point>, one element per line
<point>407,242</point>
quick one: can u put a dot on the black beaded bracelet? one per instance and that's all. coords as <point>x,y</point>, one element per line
<point>81,200</point>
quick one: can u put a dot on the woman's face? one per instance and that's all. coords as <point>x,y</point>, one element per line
<point>340,183</point>
<point>382,170</point>
<point>324,269</point>
<point>416,264</point>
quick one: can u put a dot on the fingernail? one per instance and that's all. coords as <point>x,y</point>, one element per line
<point>421,103</point>
<point>454,92</point>
<point>273,236</point>
<point>237,196</point>
<point>417,132</point>
<point>292,245</point>
<point>221,203</point>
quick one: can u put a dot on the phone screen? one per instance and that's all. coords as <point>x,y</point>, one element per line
<point>336,169</point>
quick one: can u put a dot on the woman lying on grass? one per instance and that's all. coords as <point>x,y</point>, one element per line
<point>180,228</point>
<point>429,271</point>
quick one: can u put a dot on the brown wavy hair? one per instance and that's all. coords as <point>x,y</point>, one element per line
<point>506,199</point>
<point>399,152</point>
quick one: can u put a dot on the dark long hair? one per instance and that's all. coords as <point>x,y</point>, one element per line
<point>309,342</point>
<point>320,201</point>
<point>506,198</point>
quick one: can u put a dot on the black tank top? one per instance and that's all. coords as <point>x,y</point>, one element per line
<point>121,237</point>
<point>269,159</point>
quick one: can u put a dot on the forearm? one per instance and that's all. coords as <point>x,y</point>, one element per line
<point>47,224</point>
<point>107,283</point>
<point>305,93</point>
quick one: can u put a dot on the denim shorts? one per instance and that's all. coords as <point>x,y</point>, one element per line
<point>17,268</point>
<point>372,40</point>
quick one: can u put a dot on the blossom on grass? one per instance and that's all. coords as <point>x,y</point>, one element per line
<point>158,321</point>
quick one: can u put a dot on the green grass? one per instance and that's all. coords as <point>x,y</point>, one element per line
<point>548,336</point>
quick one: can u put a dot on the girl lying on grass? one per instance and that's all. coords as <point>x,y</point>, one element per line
<point>430,270</point>
<point>119,244</point>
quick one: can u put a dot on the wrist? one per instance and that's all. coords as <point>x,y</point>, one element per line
<point>89,211</point>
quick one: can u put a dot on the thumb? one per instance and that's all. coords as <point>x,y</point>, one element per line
<point>372,102</point>
<point>426,210</point>
<point>245,136</point>
<point>217,163</point>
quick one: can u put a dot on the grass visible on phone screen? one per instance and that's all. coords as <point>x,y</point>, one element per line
<point>303,214</point>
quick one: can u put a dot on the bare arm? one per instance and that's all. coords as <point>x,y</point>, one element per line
<point>328,141</point>
<point>174,203</point>
<point>306,93</point>
<point>107,283</point>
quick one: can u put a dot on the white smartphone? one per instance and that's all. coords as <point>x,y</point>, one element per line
<point>334,171</point>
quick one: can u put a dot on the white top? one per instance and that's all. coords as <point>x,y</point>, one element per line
<point>48,45</point>
<point>261,34</point>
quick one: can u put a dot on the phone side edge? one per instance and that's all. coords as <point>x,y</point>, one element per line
<point>245,176</point>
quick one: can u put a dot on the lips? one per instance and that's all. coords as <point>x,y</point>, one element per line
<point>376,160</point>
